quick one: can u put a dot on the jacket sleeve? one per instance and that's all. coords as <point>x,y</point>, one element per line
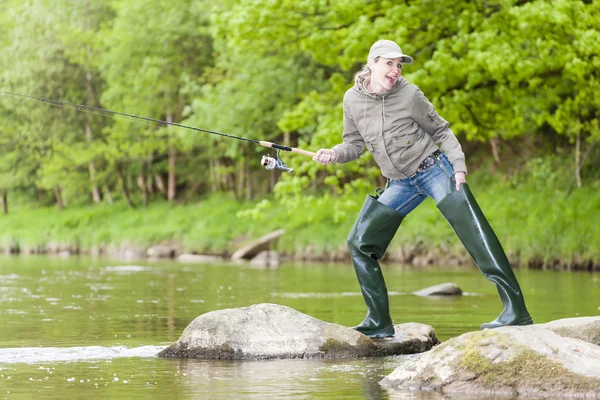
<point>427,117</point>
<point>353,145</point>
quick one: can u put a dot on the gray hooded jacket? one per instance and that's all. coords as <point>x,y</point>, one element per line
<point>399,127</point>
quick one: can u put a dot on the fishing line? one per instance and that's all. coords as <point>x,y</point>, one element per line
<point>268,162</point>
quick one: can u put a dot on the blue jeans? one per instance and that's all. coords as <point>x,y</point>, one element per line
<point>404,195</point>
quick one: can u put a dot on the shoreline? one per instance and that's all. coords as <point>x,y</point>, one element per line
<point>409,254</point>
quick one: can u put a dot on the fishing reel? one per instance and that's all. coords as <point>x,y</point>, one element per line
<point>272,163</point>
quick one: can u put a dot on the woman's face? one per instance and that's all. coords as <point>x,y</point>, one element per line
<point>385,72</point>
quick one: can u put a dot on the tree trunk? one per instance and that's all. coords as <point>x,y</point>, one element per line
<point>91,167</point>
<point>142,184</point>
<point>91,99</point>
<point>160,185</point>
<point>149,183</point>
<point>59,200</point>
<point>107,193</point>
<point>172,161</point>
<point>4,201</point>
<point>124,188</point>
<point>241,177</point>
<point>249,188</point>
<point>495,151</point>
<point>231,185</point>
<point>171,183</point>
<point>95,189</point>
<point>89,87</point>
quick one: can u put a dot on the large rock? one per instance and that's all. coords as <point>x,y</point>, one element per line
<point>527,361</point>
<point>269,331</point>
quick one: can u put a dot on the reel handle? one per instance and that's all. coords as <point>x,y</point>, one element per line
<point>286,148</point>
<point>303,152</point>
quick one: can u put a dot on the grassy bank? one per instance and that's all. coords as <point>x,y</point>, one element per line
<point>537,222</point>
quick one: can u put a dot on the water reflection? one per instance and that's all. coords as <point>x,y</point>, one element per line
<point>288,378</point>
<point>141,378</point>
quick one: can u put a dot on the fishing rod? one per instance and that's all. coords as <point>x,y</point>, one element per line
<point>269,163</point>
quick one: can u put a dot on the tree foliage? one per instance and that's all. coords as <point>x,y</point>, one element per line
<point>501,71</point>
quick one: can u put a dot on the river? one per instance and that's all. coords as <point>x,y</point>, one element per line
<point>90,328</point>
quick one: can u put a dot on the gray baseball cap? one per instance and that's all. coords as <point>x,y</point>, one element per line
<point>388,49</point>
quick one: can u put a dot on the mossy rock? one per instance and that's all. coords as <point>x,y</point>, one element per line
<point>272,331</point>
<point>529,361</point>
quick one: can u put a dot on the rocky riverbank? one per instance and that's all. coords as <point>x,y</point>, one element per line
<point>416,254</point>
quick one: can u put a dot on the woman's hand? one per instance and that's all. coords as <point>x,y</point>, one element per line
<point>460,178</point>
<point>325,156</point>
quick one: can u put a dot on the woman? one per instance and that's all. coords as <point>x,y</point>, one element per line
<point>420,157</point>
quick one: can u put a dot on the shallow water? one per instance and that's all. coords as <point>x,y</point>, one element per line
<point>80,327</point>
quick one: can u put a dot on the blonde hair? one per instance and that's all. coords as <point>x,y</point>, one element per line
<point>364,75</point>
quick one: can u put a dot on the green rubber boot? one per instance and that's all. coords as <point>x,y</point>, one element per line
<point>466,218</point>
<point>368,240</point>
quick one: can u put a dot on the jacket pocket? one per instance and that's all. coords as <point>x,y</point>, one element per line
<point>402,141</point>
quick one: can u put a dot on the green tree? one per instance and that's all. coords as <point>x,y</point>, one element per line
<point>33,62</point>
<point>497,70</point>
<point>155,53</point>
<point>81,22</point>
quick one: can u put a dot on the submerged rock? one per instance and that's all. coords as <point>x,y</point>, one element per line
<point>270,331</point>
<point>265,259</point>
<point>164,251</point>
<point>443,289</point>
<point>198,258</point>
<point>524,360</point>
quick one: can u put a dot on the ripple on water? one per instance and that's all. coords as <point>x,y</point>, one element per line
<point>127,268</point>
<point>34,355</point>
<point>15,312</point>
<point>293,295</point>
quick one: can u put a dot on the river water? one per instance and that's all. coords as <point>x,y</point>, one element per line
<point>91,328</point>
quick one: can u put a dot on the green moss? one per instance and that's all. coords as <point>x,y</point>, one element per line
<point>182,350</point>
<point>528,368</point>
<point>332,345</point>
<point>335,348</point>
<point>475,339</point>
<point>473,361</point>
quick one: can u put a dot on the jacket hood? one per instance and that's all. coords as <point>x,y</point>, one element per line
<point>372,106</point>
<point>359,87</point>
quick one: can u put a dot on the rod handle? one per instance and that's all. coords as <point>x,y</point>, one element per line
<point>286,148</point>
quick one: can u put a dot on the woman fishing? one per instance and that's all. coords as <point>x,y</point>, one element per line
<point>420,156</point>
